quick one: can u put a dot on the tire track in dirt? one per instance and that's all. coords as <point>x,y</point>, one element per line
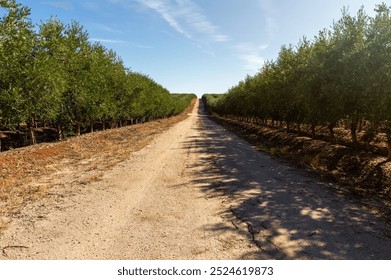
<point>195,192</point>
<point>289,213</point>
<point>148,207</point>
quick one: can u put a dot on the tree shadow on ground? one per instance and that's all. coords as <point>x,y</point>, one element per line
<point>285,211</point>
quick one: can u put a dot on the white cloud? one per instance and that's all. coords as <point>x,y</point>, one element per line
<point>107,41</point>
<point>249,47</point>
<point>106,28</point>
<point>270,14</point>
<point>252,62</point>
<point>251,55</point>
<point>186,18</point>
<point>167,14</point>
<point>65,5</point>
<point>140,46</point>
<point>111,41</point>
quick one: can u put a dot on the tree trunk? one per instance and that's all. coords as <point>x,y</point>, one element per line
<point>78,129</point>
<point>113,123</point>
<point>60,134</point>
<point>389,150</point>
<point>331,130</point>
<point>313,132</point>
<point>389,145</point>
<point>104,125</point>
<point>360,125</point>
<point>353,131</point>
<point>91,126</point>
<point>31,132</point>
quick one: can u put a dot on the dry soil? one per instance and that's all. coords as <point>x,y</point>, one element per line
<point>196,191</point>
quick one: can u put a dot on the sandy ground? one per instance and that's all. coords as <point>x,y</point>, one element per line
<point>195,192</point>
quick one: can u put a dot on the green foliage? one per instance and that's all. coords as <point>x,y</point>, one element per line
<point>53,74</point>
<point>181,101</point>
<point>212,101</point>
<point>17,48</point>
<point>343,74</point>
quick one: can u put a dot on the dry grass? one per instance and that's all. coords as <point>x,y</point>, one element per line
<point>89,154</point>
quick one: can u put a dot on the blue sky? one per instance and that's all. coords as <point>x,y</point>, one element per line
<point>197,46</point>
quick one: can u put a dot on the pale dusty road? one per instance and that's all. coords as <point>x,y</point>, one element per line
<point>196,192</point>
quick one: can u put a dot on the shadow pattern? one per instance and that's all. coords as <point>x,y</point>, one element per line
<point>285,211</point>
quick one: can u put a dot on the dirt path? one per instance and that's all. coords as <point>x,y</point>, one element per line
<point>195,192</point>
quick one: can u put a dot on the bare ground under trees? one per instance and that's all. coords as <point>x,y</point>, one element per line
<point>175,189</point>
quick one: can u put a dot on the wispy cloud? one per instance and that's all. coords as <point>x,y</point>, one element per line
<point>269,13</point>
<point>252,62</point>
<point>107,41</point>
<point>186,18</point>
<point>251,55</point>
<point>121,42</point>
<point>91,6</point>
<point>249,47</point>
<point>106,28</point>
<point>140,46</point>
<point>65,5</point>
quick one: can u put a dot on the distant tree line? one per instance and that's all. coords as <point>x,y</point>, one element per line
<point>52,75</point>
<point>342,75</point>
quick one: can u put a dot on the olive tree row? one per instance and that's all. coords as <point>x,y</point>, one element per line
<point>52,74</point>
<point>343,74</point>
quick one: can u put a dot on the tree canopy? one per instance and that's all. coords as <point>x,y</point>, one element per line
<point>342,75</point>
<point>52,74</point>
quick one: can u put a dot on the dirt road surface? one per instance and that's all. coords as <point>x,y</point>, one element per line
<point>195,192</point>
